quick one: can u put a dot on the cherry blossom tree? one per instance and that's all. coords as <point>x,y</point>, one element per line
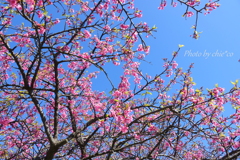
<point>53,51</point>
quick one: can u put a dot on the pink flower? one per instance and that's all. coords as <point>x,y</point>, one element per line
<point>147,49</point>
<point>42,30</point>
<point>236,145</point>
<point>124,129</point>
<point>140,47</point>
<point>213,5</point>
<point>5,121</point>
<point>12,3</point>
<point>30,2</point>
<point>117,94</point>
<point>162,5</point>
<point>186,133</point>
<point>107,28</point>
<point>174,4</point>
<point>57,21</point>
<point>191,3</point>
<point>189,14</point>
<point>87,34</point>
<point>123,26</point>
<point>152,128</point>
<point>40,14</point>
<point>174,65</point>
<point>166,65</point>
<point>68,22</point>
<point>39,3</point>
<point>221,149</point>
<point>19,7</point>
<point>140,56</point>
<point>139,15</point>
<point>234,121</point>
<point>7,21</point>
<point>29,120</point>
<point>137,136</point>
<point>85,6</point>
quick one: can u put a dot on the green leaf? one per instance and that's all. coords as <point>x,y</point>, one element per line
<point>197,90</point>
<point>180,45</point>
<point>222,134</point>
<point>154,27</point>
<point>45,12</point>
<point>148,93</point>
<point>233,83</point>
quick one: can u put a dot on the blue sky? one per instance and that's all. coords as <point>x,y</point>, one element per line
<point>220,34</point>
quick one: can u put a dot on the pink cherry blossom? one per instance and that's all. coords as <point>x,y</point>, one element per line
<point>123,26</point>
<point>87,34</point>
<point>12,3</point>
<point>42,30</point>
<point>163,5</point>
<point>174,4</point>
<point>189,14</point>
<point>174,65</point>
<point>56,21</point>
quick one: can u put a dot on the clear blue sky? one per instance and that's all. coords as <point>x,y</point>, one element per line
<point>220,34</point>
